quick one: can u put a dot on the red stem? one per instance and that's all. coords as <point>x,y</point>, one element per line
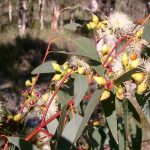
<point>51,119</point>
<point>55,93</point>
<point>42,125</point>
<point>115,46</point>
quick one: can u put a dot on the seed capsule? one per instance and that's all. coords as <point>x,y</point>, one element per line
<point>56,67</point>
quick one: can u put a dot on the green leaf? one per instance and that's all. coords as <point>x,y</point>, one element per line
<point>144,102</point>
<point>21,144</point>
<point>146,32</point>
<point>71,26</point>
<point>88,112</point>
<point>61,120</point>
<point>44,68</point>
<point>110,114</point>
<point>52,126</point>
<point>126,76</point>
<point>135,127</point>
<point>72,127</point>
<point>85,47</point>
<point>80,88</point>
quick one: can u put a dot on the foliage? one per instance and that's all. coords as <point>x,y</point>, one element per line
<point>70,110</point>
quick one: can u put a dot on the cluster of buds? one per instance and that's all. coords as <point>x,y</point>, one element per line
<point>96,24</point>
<point>117,28</point>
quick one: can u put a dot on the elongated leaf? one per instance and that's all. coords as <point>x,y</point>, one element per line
<point>110,114</point>
<point>52,126</point>
<point>71,129</point>
<point>44,68</point>
<point>21,144</point>
<point>61,121</point>
<point>71,26</point>
<point>146,32</point>
<point>126,76</point>
<point>135,127</point>
<point>144,102</point>
<point>88,112</point>
<point>80,88</point>
<point>85,47</point>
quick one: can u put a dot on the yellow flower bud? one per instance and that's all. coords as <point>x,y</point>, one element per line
<point>105,49</point>
<point>138,77</point>
<point>9,117</point>
<point>81,70</point>
<point>17,117</point>
<point>119,96</point>
<point>45,97</point>
<point>69,70</point>
<point>96,123</point>
<point>139,33</point>
<point>95,19</point>
<point>105,22</point>
<point>105,95</point>
<point>28,83</point>
<point>33,79</point>
<point>99,25</point>
<point>57,77</point>
<point>134,63</point>
<point>110,59</point>
<point>56,67</point>
<point>119,89</point>
<point>125,59</point>
<point>88,26</point>
<point>100,80</point>
<point>141,88</point>
<point>65,66</point>
<point>92,25</point>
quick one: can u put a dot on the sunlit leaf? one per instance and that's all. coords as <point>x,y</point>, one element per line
<point>80,88</point>
<point>88,112</point>
<point>72,127</point>
<point>146,31</point>
<point>110,114</point>
<point>71,26</point>
<point>44,68</point>
<point>21,144</point>
<point>126,76</point>
<point>52,126</point>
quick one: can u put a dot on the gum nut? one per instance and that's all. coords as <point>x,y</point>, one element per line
<point>133,56</point>
<point>92,25</point>
<point>65,66</point>
<point>105,49</point>
<point>88,26</point>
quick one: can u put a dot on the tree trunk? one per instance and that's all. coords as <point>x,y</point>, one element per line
<point>41,13</point>
<point>55,14</point>
<point>22,17</point>
<point>10,10</point>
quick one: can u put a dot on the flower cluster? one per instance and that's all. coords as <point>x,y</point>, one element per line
<point>116,30</point>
